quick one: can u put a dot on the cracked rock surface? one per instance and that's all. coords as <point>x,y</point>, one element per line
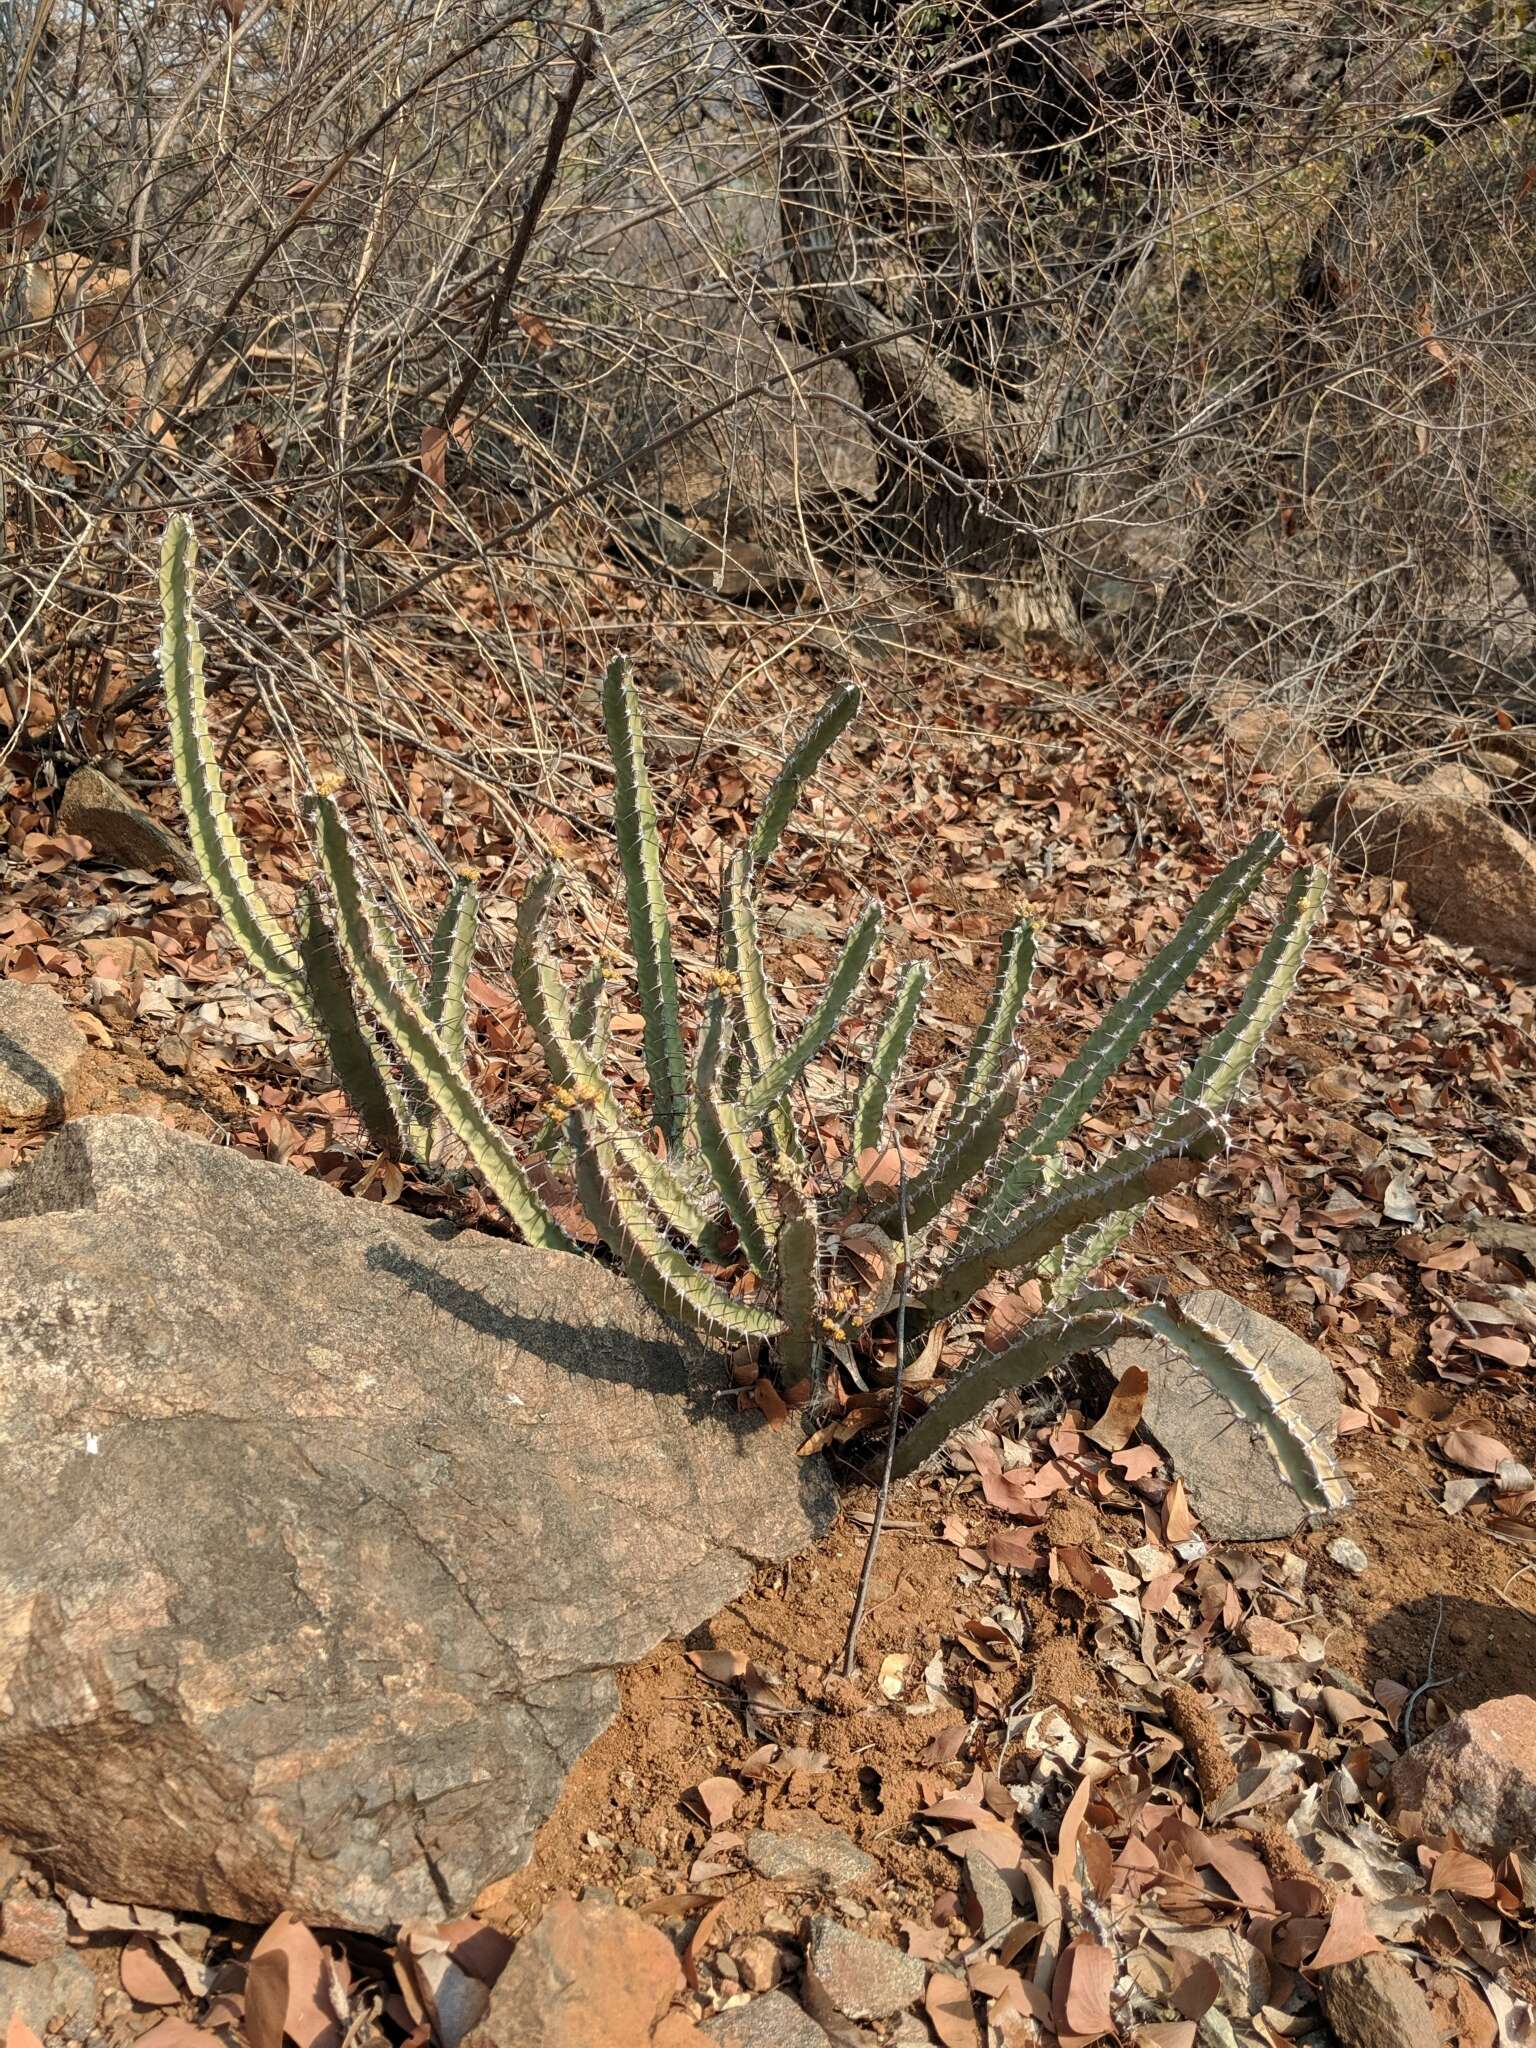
<point>329,1528</point>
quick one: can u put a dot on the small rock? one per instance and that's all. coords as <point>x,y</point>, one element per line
<point>587,1976</point>
<point>774,2021</point>
<point>32,1930</point>
<point>989,1888</point>
<point>1348,1556</point>
<point>821,1860</point>
<point>758,1962</point>
<point>1237,1487</point>
<point>866,1979</point>
<point>120,829</point>
<point>1471,879</point>
<point>40,1053</point>
<point>57,1995</point>
<point>1475,1777</point>
<point>1266,1638</point>
<point>1373,2002</point>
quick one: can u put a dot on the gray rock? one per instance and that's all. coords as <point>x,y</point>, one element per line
<point>1237,1488</point>
<point>59,1994</point>
<point>120,829</point>
<point>41,1049</point>
<point>772,2021</point>
<point>1348,1556</point>
<point>1373,2002</point>
<point>989,1888</point>
<point>866,1979</point>
<point>823,1861</point>
<point>337,1527</point>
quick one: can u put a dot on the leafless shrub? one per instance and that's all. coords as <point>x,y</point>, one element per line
<point>1198,337</point>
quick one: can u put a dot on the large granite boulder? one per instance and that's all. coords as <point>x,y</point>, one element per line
<point>327,1529</point>
<point>1470,878</point>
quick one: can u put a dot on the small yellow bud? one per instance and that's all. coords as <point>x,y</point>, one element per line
<point>330,783</point>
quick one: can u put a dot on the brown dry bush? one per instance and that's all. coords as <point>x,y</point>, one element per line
<point>1194,337</point>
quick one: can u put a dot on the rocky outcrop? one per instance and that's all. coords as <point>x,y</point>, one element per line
<point>336,1526</point>
<point>41,1050</point>
<point>1237,1488</point>
<point>1470,878</point>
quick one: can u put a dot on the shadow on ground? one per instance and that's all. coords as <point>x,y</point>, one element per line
<point>1473,1650</point>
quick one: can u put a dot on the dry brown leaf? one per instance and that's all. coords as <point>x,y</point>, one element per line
<point>1473,1451</point>
<point>1122,1413</point>
<point>947,2002</point>
<point>1178,1522</point>
<point>434,457</point>
<point>1347,1936</point>
<point>535,329</point>
<point>717,1799</point>
<point>266,2000</point>
<point>309,2020</point>
<point>769,1403</point>
<point>1193,1983</point>
<point>1064,1862</point>
<point>1011,1314</point>
<point>174,2033</point>
<point>1018,1550</point>
<point>878,1168</point>
<point>699,1939</point>
<point>1081,1989</point>
<point>143,1976</point>
<point>1456,1870</point>
<point>1072,1566</point>
<point>720,1665</point>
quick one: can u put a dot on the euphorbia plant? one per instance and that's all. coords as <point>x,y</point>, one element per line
<point>726,1225</point>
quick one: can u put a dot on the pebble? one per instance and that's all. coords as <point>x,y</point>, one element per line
<point>1267,1638</point>
<point>989,1888</point>
<point>758,1963</point>
<point>821,1860</point>
<point>40,1075</point>
<point>1348,1556</point>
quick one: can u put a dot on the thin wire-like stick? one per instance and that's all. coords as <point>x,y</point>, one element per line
<point>1431,1683</point>
<point>867,1572</point>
